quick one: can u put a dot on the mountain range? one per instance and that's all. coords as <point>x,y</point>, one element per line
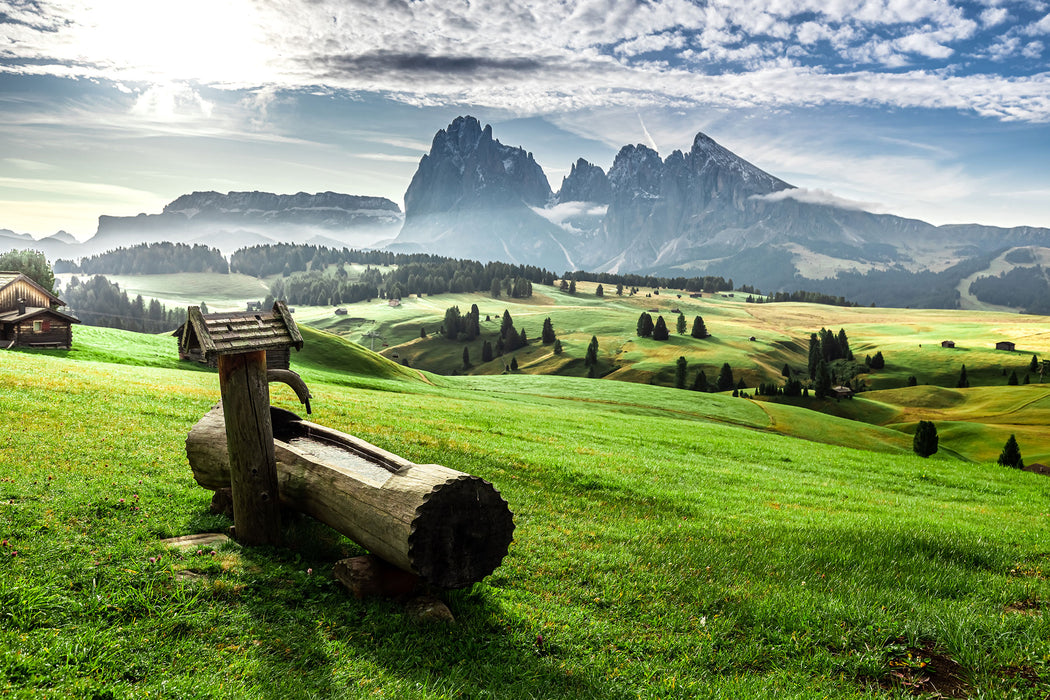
<point>705,211</point>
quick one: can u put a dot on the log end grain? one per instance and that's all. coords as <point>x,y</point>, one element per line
<point>460,533</point>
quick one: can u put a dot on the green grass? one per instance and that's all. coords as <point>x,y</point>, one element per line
<point>667,545</point>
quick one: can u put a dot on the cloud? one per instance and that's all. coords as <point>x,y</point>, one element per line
<point>817,196</point>
<point>534,56</point>
<point>563,214</point>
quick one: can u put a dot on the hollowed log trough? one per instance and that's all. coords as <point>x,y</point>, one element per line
<point>449,528</point>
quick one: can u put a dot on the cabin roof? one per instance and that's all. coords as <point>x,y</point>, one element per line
<point>9,277</point>
<point>243,331</point>
<point>32,312</point>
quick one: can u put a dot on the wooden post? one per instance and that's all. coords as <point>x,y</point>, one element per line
<point>249,438</point>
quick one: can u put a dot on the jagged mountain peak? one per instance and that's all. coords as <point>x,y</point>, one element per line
<point>585,182</point>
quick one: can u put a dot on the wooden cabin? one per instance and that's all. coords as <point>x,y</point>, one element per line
<point>947,343</point>
<point>1004,345</point>
<point>30,316</point>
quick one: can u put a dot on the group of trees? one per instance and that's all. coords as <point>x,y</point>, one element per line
<point>98,302</point>
<point>1026,288</point>
<point>30,263</point>
<point>150,259</point>
<point>800,295</point>
<point>709,283</point>
<point>645,327</point>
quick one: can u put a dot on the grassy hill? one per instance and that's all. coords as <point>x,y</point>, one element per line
<point>668,543</point>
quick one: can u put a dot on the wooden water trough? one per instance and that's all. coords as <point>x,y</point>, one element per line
<point>449,528</point>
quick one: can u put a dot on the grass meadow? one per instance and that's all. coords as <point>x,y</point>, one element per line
<point>668,544</point>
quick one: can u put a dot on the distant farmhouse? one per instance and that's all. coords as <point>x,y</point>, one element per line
<point>948,344</point>
<point>29,315</point>
<point>1004,345</point>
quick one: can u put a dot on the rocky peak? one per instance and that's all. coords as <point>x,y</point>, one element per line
<point>209,204</point>
<point>585,183</point>
<point>707,155</point>
<point>467,168</point>
<point>636,170</point>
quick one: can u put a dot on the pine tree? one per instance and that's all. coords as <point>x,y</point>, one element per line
<point>619,289</point>
<point>547,334</point>
<point>660,329</point>
<point>572,287</point>
<point>422,332</point>
<point>963,381</point>
<point>878,362</point>
<point>679,374</point>
<point>486,351</point>
<point>590,360</point>
<point>557,347</point>
<point>725,378</point>
<point>466,357</point>
<point>700,383</point>
<point>814,355</point>
<point>494,290</point>
<point>1033,366</point>
<point>564,285</point>
<point>523,338</point>
<point>514,364</point>
<point>600,291</point>
<point>843,343</point>
<point>786,372</point>
<point>822,380</point>
<point>1011,454</point>
<point>925,442</point>
<point>1012,381</point>
<point>681,324</point>
<point>645,325</point>
<point>699,329</point>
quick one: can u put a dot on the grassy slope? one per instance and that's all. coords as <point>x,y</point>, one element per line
<point>664,548</point>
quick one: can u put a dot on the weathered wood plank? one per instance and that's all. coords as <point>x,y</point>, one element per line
<point>249,436</point>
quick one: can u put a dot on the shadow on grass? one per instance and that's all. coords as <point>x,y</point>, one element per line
<point>308,637</point>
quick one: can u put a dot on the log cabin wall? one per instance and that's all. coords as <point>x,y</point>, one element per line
<point>19,289</point>
<point>42,331</point>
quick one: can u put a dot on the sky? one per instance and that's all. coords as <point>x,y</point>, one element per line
<point>932,109</point>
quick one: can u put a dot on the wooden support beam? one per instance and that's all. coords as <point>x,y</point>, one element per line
<point>249,438</point>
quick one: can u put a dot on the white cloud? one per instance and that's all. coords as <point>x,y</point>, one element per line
<point>994,16</point>
<point>527,56</point>
<point>1033,50</point>
<point>818,196</point>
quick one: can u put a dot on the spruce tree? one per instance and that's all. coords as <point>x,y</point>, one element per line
<point>645,325</point>
<point>1033,366</point>
<point>572,287</point>
<point>600,291</point>
<point>700,383</point>
<point>547,334</point>
<point>486,351</point>
<point>514,364</point>
<point>557,346</point>
<point>814,355</point>
<point>1012,381</point>
<point>699,329</point>
<point>725,378</point>
<point>466,357</point>
<point>925,442</point>
<point>660,331</point>
<point>494,290</point>
<point>1011,454</point>
<point>963,381</point>
<point>590,360</point>
<point>523,338</point>
<point>679,374</point>
<point>422,332</point>
<point>786,372</point>
<point>823,380</point>
<point>681,324</point>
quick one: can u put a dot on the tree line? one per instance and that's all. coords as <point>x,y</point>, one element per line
<point>150,259</point>
<point>98,302</point>
<point>1022,287</point>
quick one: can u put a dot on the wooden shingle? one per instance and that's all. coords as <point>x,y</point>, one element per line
<point>230,333</point>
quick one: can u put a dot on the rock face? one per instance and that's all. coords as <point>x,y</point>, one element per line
<point>473,197</point>
<point>585,183</point>
<point>236,219</point>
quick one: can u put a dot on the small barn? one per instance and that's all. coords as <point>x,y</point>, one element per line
<point>1004,345</point>
<point>394,303</point>
<point>842,392</point>
<point>30,316</point>
<point>202,337</point>
<point>947,343</point>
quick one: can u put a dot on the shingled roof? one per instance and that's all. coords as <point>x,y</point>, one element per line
<point>237,332</point>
